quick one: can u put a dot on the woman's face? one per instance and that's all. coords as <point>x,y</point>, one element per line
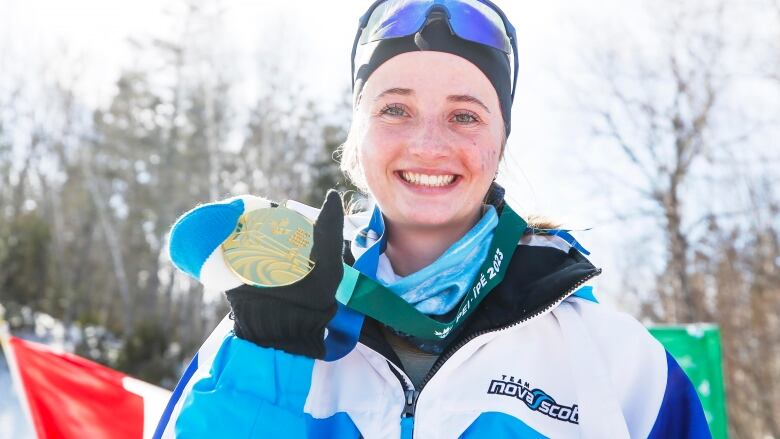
<point>429,138</point>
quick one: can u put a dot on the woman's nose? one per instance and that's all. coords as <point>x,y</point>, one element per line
<point>431,140</point>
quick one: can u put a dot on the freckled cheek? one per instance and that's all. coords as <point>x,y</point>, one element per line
<point>483,159</point>
<point>491,158</point>
<point>391,136</point>
<point>389,140</point>
<point>375,158</point>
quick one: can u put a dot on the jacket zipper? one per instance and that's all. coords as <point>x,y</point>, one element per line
<point>411,402</point>
<point>414,396</point>
<point>410,393</point>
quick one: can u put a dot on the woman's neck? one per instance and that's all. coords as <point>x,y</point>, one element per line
<point>410,249</point>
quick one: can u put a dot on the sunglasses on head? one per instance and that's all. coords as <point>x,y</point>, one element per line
<point>478,21</point>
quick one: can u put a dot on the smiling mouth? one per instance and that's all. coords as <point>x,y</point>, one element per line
<point>426,179</point>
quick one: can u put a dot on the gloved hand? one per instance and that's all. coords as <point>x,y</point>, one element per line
<point>292,317</point>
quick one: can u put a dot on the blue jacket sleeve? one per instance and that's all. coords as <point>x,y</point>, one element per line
<point>250,392</point>
<point>681,414</point>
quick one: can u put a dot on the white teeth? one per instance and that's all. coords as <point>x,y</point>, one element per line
<point>427,180</point>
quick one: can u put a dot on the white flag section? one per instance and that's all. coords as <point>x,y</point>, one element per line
<point>66,396</point>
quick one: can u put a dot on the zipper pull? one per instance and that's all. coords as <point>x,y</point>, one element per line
<point>411,402</point>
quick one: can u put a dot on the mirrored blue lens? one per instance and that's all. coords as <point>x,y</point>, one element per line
<point>395,18</point>
<point>475,21</point>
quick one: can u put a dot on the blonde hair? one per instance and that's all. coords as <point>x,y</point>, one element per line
<point>349,163</point>
<point>542,222</point>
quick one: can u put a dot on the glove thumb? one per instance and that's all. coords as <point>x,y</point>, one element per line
<point>329,231</point>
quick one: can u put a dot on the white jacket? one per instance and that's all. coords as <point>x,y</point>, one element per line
<point>539,358</point>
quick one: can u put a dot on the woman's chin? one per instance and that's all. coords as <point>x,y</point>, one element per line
<point>429,216</point>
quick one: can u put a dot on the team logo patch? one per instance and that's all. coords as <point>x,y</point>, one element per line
<point>536,399</point>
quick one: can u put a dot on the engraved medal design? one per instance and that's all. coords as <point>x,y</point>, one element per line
<point>270,247</point>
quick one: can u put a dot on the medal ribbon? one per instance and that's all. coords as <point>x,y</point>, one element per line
<point>365,295</point>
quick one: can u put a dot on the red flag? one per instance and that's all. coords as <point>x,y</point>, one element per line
<point>67,396</point>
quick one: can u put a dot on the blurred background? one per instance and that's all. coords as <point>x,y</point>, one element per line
<point>653,125</point>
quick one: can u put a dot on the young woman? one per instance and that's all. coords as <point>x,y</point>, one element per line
<point>482,327</point>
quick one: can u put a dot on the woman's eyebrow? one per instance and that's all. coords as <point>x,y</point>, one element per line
<point>395,91</point>
<point>467,98</point>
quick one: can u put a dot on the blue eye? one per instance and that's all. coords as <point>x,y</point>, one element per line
<point>393,110</point>
<point>466,117</point>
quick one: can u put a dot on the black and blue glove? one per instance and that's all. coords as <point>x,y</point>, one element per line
<point>291,318</point>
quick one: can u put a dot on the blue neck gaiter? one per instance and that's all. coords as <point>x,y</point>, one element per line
<point>439,287</point>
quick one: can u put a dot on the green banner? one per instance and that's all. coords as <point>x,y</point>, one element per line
<point>697,349</point>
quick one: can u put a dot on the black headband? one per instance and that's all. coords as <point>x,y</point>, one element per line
<point>437,36</point>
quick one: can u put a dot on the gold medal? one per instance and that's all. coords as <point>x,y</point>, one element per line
<point>270,247</point>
